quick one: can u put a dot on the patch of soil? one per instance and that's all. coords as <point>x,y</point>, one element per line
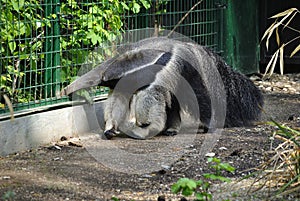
<point>70,171</point>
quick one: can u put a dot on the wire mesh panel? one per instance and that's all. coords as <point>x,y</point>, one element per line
<point>45,44</point>
<point>29,53</point>
<point>202,24</point>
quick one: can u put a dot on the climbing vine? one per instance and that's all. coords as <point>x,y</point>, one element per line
<point>83,24</point>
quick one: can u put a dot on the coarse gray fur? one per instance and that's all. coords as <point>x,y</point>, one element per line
<point>224,97</point>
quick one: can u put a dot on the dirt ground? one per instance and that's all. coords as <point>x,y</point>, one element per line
<point>84,170</point>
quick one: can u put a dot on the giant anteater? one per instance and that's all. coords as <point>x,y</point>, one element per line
<point>152,81</point>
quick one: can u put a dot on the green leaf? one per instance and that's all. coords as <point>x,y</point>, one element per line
<point>136,7</point>
<point>214,159</point>
<point>216,177</point>
<point>159,12</point>
<point>187,192</point>
<point>9,195</point>
<point>287,132</point>
<point>227,167</point>
<point>114,199</point>
<point>12,46</point>
<point>187,186</point>
<point>24,56</point>
<point>199,182</point>
<point>200,196</point>
<point>124,5</point>
<point>209,176</point>
<point>175,188</point>
<point>90,24</point>
<point>22,29</point>
<point>191,184</point>
<point>28,16</point>
<point>209,196</point>
<point>146,4</point>
<point>94,38</point>
<point>184,181</point>
<point>21,4</point>
<point>36,45</point>
<point>203,196</point>
<point>3,78</point>
<point>17,5</point>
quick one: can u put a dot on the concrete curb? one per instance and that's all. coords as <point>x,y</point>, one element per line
<point>31,131</point>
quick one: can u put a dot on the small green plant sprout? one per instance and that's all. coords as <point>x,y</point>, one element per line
<point>189,187</point>
<point>114,199</point>
<point>200,188</point>
<point>9,195</point>
<point>219,167</point>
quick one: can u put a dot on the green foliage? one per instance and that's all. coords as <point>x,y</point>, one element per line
<point>188,187</point>
<point>9,195</point>
<point>114,199</point>
<point>200,188</point>
<point>216,165</point>
<point>288,133</point>
<point>20,26</point>
<point>82,26</point>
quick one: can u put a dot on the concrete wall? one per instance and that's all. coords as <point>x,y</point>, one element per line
<point>39,129</point>
<point>31,131</point>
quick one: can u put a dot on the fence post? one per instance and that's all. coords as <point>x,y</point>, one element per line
<point>52,50</point>
<point>241,42</point>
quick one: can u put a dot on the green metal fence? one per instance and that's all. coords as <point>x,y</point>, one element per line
<point>43,44</point>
